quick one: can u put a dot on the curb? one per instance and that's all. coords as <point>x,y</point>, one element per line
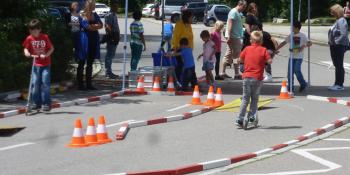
<point>122,132</point>
<point>22,110</point>
<point>282,36</point>
<point>198,167</point>
<point>13,96</point>
<point>328,99</point>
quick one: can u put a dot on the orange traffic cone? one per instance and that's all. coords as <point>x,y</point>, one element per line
<point>171,86</point>
<point>219,100</point>
<point>156,85</point>
<point>78,140</point>
<point>90,136</point>
<point>102,135</point>
<point>210,97</point>
<point>284,91</point>
<point>196,100</point>
<point>140,85</point>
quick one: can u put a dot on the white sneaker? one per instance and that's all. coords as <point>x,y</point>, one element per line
<point>268,78</point>
<point>336,88</point>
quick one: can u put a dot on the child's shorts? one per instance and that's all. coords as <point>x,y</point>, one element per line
<point>208,66</point>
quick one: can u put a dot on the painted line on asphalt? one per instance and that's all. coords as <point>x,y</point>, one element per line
<point>336,139</point>
<point>119,123</point>
<point>16,146</point>
<point>180,107</point>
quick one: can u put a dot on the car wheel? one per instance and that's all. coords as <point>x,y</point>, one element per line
<point>211,22</point>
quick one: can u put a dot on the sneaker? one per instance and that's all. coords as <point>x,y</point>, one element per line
<point>302,88</point>
<point>46,108</point>
<point>112,76</point>
<point>239,123</point>
<point>238,77</point>
<point>336,88</point>
<point>251,119</point>
<point>219,78</point>
<point>35,107</point>
<point>268,78</point>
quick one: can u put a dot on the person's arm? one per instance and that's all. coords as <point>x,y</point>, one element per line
<point>343,28</point>
<point>48,53</point>
<point>108,23</point>
<point>241,58</point>
<point>27,53</point>
<point>229,28</point>
<point>143,41</point>
<point>281,45</point>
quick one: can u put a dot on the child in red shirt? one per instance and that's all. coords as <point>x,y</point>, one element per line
<point>254,58</point>
<point>39,47</point>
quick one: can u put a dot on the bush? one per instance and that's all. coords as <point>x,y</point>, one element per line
<point>14,67</point>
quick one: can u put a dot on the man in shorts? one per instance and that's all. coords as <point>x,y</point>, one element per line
<point>234,35</point>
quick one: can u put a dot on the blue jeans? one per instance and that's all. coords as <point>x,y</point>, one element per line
<point>111,48</point>
<point>297,71</point>
<point>136,51</point>
<point>41,85</point>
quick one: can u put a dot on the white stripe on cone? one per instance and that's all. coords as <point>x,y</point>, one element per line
<point>78,132</point>
<point>284,89</point>
<point>90,130</point>
<point>211,96</point>
<point>101,129</point>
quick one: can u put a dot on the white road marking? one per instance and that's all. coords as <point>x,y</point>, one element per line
<point>120,123</point>
<point>180,107</point>
<point>305,153</point>
<point>330,64</point>
<point>16,146</point>
<point>341,140</point>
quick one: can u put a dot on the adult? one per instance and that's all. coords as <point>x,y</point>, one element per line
<point>74,25</point>
<point>94,23</point>
<point>113,37</point>
<point>234,35</point>
<point>183,29</point>
<point>339,43</point>
<point>251,20</point>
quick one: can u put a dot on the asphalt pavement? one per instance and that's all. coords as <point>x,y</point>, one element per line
<point>41,147</point>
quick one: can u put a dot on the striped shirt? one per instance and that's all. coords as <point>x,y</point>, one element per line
<point>136,29</point>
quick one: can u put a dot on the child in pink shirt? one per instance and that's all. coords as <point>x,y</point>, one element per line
<point>217,39</point>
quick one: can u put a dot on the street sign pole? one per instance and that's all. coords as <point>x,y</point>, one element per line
<point>125,41</point>
<point>291,47</point>
<point>309,36</point>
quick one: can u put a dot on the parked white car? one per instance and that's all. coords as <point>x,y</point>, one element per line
<point>102,9</point>
<point>148,10</point>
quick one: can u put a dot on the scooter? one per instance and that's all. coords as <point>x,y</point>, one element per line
<point>29,110</point>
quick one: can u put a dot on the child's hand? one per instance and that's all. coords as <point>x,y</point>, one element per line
<point>42,56</point>
<point>144,48</point>
<point>27,54</point>
<point>199,57</point>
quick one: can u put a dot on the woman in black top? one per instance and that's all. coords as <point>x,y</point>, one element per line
<point>251,20</point>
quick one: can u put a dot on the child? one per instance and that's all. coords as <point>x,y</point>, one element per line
<point>254,58</point>
<point>189,73</point>
<point>217,39</point>
<point>208,56</point>
<point>168,34</point>
<point>300,42</point>
<point>38,46</point>
<point>137,41</point>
